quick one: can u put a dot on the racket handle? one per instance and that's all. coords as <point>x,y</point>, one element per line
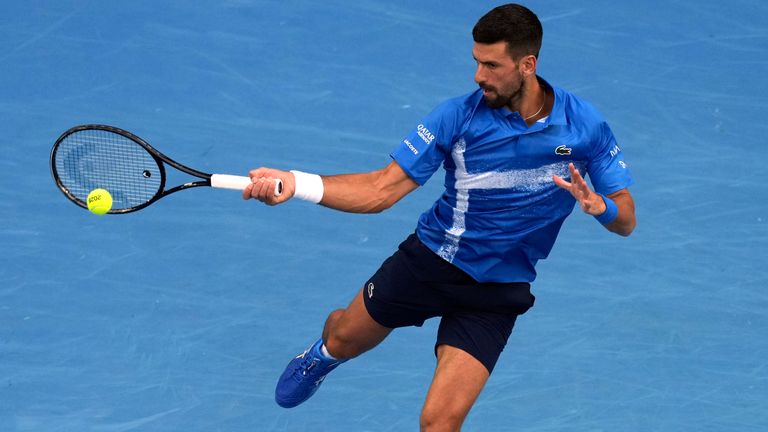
<point>226,181</point>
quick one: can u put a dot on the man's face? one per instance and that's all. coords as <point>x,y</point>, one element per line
<point>498,75</point>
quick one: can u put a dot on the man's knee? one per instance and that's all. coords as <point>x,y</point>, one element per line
<point>439,419</point>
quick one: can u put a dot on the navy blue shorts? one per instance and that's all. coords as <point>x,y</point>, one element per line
<point>415,284</point>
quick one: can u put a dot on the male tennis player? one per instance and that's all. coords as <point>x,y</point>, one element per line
<point>513,153</point>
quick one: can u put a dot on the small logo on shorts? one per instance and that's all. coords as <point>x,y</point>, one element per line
<point>370,289</point>
<point>563,150</point>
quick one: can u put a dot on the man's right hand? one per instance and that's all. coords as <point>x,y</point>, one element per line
<point>263,184</point>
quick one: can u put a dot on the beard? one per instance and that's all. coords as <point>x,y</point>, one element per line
<point>495,98</point>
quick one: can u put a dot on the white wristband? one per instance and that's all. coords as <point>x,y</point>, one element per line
<point>309,187</point>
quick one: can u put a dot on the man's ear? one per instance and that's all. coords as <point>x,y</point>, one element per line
<point>528,65</point>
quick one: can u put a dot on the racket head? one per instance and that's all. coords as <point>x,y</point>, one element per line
<point>88,157</point>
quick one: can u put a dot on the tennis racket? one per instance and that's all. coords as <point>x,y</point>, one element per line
<point>88,157</point>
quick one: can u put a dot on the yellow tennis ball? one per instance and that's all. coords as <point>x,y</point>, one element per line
<point>99,201</point>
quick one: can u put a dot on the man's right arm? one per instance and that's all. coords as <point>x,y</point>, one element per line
<point>370,192</point>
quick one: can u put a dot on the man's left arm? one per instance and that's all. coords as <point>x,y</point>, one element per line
<point>619,206</point>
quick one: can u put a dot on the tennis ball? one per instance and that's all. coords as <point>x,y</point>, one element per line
<point>99,201</point>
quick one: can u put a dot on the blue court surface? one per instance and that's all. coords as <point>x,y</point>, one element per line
<point>181,317</point>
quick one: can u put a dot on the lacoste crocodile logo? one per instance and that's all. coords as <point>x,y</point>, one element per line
<point>563,150</point>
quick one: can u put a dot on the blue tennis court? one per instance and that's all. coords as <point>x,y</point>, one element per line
<point>181,317</point>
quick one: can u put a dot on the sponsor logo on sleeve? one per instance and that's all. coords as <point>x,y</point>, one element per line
<point>425,134</point>
<point>411,147</point>
<point>615,150</point>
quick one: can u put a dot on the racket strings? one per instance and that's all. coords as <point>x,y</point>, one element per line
<point>90,159</point>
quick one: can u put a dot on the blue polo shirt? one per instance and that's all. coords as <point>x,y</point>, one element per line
<point>501,211</point>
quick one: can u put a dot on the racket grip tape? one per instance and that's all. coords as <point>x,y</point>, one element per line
<point>226,181</point>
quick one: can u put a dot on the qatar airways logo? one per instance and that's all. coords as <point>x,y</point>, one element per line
<point>425,134</point>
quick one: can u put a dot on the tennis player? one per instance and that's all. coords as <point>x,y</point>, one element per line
<point>513,151</point>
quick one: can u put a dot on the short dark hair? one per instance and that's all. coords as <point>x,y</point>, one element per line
<point>514,24</point>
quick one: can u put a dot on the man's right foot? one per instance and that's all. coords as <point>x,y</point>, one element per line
<point>303,376</point>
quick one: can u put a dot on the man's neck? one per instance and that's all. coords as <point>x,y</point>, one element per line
<point>534,102</point>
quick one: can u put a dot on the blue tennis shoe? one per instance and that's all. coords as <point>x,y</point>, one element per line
<point>303,376</point>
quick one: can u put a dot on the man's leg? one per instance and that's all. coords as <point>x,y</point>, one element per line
<point>350,332</point>
<point>469,343</point>
<point>459,379</point>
